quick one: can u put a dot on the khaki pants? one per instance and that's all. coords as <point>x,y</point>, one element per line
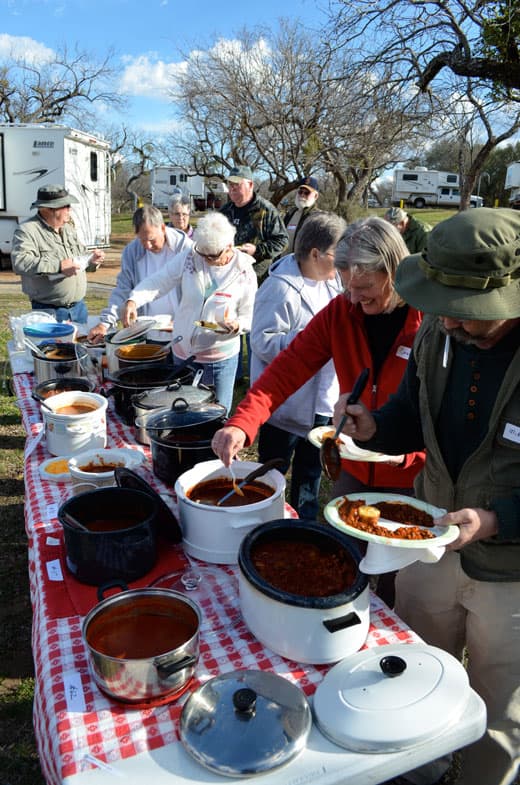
<point>451,611</point>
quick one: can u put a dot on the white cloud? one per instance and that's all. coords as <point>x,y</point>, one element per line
<point>24,48</point>
<point>147,76</point>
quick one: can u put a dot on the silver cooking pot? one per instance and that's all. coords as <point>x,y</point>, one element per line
<point>57,360</point>
<point>143,644</point>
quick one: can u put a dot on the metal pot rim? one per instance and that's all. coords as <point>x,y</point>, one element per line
<point>126,596</point>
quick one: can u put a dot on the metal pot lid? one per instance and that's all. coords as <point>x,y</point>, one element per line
<point>245,722</point>
<point>135,330</point>
<point>163,397</point>
<point>184,415</point>
<point>167,524</point>
<point>390,698</point>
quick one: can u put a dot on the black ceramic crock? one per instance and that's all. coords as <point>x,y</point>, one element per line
<point>126,554</point>
<point>181,436</point>
<point>64,384</point>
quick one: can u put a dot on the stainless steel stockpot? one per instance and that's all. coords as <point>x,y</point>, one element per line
<point>143,644</point>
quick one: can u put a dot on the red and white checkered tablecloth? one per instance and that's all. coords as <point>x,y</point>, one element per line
<point>73,719</point>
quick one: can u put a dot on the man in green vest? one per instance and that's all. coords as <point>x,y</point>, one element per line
<point>460,400</point>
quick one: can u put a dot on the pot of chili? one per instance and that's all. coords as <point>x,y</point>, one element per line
<point>301,592</point>
<point>118,538</point>
<point>213,532</point>
<point>143,644</point>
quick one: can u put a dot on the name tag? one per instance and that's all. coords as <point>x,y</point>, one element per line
<point>512,432</point>
<point>403,352</point>
<point>292,227</point>
<point>54,572</point>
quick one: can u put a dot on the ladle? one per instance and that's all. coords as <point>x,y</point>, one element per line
<point>258,472</point>
<point>73,522</point>
<point>330,457</point>
<point>33,347</point>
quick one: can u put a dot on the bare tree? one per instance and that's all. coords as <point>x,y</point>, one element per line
<point>475,39</point>
<point>273,100</point>
<point>64,88</point>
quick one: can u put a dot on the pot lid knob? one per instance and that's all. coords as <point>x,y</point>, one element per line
<point>392,666</point>
<point>244,701</point>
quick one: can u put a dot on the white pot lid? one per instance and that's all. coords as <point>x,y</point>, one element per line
<point>389,698</point>
<point>245,722</point>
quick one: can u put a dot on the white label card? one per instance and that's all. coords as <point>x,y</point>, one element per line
<point>512,432</point>
<point>74,696</point>
<point>54,570</point>
<point>403,352</point>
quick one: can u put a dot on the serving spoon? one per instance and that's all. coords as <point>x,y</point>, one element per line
<point>330,457</point>
<point>258,472</point>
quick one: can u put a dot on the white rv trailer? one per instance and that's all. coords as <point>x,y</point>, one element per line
<point>168,180</point>
<point>423,187</point>
<point>32,155</point>
<point>513,182</point>
<point>203,193</point>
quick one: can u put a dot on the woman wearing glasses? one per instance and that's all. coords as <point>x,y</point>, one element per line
<point>215,285</point>
<point>179,213</point>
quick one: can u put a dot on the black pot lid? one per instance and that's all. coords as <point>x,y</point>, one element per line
<point>167,524</point>
<point>184,415</point>
<point>136,330</point>
<point>163,397</point>
<point>389,698</point>
<point>245,722</point>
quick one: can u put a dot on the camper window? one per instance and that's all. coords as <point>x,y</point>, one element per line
<point>413,177</point>
<point>93,166</point>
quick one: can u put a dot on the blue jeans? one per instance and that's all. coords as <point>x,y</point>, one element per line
<point>76,313</point>
<point>220,375</point>
<point>274,442</point>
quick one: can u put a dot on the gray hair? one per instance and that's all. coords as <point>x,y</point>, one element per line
<point>147,215</point>
<point>179,199</point>
<point>395,215</point>
<point>213,233</point>
<point>371,245</point>
<point>320,230</point>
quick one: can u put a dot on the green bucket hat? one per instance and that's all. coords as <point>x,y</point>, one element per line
<point>470,269</point>
<point>53,196</point>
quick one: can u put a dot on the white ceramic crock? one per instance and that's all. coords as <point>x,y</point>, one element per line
<point>68,434</point>
<point>316,630</point>
<point>213,534</point>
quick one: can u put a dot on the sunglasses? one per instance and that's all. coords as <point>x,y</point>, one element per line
<point>211,257</point>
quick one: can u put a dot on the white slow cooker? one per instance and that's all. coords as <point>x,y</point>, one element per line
<point>67,434</point>
<point>302,627</point>
<point>213,534</point>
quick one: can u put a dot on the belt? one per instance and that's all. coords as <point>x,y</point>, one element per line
<point>55,307</point>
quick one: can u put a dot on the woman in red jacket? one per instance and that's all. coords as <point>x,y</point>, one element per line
<point>367,326</point>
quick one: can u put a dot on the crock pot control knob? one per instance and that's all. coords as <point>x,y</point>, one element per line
<point>392,666</point>
<point>244,701</point>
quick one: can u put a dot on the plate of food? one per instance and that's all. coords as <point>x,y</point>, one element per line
<point>347,448</point>
<point>389,519</point>
<point>56,469</point>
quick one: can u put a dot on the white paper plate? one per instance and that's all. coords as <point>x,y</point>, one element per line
<point>443,535</point>
<point>347,448</point>
<point>135,330</point>
<point>52,477</point>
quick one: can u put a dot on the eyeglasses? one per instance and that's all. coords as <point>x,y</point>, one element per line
<point>211,257</point>
<point>180,215</point>
<point>304,191</point>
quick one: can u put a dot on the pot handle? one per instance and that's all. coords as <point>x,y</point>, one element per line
<point>342,622</point>
<point>241,523</point>
<point>115,584</point>
<point>166,670</point>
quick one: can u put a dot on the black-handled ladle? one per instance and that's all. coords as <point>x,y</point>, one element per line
<point>330,457</point>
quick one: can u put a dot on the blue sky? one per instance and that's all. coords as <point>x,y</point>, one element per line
<point>146,35</point>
